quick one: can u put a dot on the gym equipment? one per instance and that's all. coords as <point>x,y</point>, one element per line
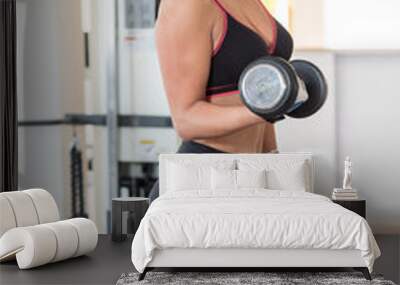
<point>76,171</point>
<point>271,87</point>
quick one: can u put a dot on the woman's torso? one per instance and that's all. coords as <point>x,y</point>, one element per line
<point>237,47</point>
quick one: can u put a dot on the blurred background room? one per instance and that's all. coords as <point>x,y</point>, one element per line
<point>93,116</point>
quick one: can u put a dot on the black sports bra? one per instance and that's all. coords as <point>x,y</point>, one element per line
<point>238,47</point>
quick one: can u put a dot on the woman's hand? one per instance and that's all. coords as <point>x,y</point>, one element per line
<point>257,119</point>
<point>187,32</point>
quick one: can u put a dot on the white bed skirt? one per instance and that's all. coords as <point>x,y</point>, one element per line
<point>178,257</point>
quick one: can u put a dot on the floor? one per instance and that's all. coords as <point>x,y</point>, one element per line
<point>110,260</point>
<point>103,266</point>
<point>388,263</point>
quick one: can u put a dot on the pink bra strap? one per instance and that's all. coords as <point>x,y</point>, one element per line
<point>220,6</point>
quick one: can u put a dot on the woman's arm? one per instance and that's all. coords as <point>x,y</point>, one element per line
<point>185,45</point>
<point>270,144</point>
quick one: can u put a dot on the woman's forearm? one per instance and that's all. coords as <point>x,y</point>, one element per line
<point>203,120</point>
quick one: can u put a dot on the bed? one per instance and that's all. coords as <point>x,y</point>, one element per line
<point>247,211</point>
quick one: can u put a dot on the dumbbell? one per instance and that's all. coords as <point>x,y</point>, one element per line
<point>272,88</point>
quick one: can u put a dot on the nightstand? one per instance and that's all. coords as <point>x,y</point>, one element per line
<point>357,206</point>
<point>137,206</point>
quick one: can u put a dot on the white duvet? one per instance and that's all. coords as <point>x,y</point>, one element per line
<point>250,219</point>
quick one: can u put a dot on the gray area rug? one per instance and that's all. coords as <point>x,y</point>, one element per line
<point>269,278</point>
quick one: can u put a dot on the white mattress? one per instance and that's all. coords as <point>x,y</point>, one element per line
<point>253,218</point>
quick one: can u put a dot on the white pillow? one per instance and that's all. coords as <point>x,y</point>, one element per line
<point>293,179</point>
<point>188,175</point>
<point>236,179</point>
<point>223,179</point>
<point>291,175</point>
<point>251,178</point>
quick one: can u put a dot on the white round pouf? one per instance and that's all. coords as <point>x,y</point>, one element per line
<point>67,240</point>
<point>31,233</point>
<point>23,208</point>
<point>87,233</point>
<point>41,244</point>
<point>32,246</point>
<point>46,207</point>
<point>7,220</point>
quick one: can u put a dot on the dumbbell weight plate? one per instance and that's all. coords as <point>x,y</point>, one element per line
<point>316,86</point>
<point>268,87</point>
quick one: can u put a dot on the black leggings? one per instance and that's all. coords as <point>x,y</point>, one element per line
<point>186,147</point>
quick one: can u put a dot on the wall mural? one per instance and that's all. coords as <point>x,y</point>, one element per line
<point>281,10</point>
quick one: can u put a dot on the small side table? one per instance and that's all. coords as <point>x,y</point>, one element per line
<point>357,206</point>
<point>137,206</point>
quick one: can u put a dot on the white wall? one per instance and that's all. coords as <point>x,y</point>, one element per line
<point>346,24</point>
<point>362,24</point>
<point>368,129</point>
<point>317,133</point>
<point>307,23</point>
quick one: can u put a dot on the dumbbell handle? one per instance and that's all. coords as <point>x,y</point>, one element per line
<point>302,95</point>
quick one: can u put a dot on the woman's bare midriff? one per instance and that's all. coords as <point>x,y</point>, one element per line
<point>259,138</point>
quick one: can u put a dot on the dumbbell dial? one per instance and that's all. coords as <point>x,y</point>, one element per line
<point>268,87</point>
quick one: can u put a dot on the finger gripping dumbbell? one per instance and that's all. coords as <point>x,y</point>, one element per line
<point>272,88</point>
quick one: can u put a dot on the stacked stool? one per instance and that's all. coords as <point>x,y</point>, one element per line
<point>31,231</point>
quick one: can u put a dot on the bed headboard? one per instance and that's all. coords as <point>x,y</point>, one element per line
<point>165,158</point>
